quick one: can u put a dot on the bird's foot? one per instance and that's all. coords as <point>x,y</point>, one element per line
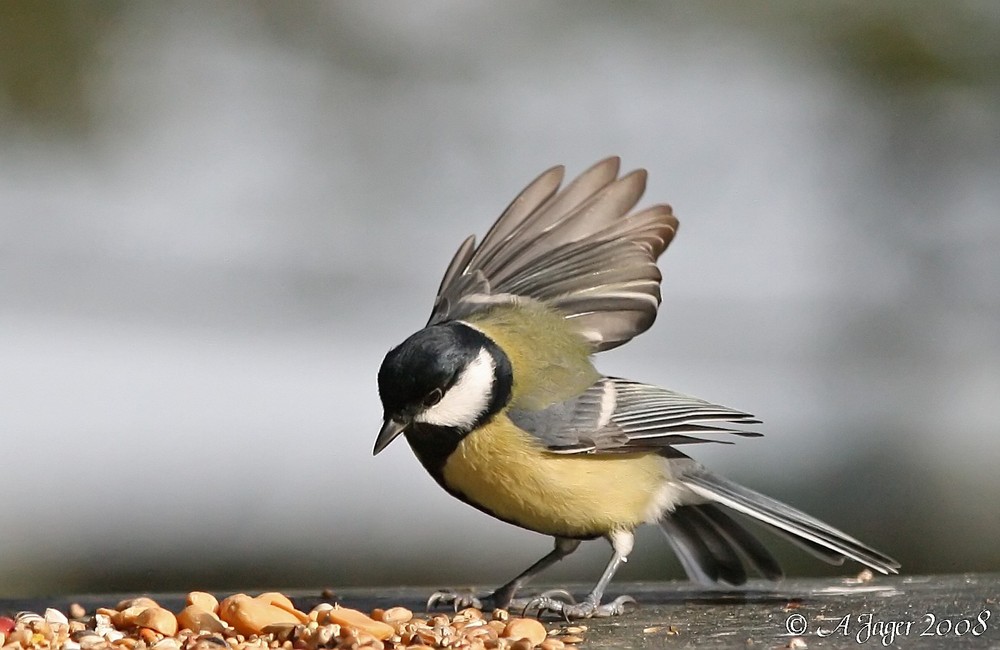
<point>457,599</point>
<point>548,604</point>
<point>523,605</point>
<point>462,598</point>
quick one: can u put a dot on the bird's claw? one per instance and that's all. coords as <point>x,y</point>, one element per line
<point>546,604</point>
<point>524,605</point>
<point>457,599</point>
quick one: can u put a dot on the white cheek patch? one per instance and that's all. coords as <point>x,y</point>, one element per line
<point>467,399</point>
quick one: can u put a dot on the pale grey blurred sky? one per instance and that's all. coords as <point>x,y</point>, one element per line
<point>205,256</point>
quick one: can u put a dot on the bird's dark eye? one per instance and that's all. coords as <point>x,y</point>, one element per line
<point>433,397</point>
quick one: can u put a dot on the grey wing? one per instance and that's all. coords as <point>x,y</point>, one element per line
<point>577,250</point>
<point>617,415</point>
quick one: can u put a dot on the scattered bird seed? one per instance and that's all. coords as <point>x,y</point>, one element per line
<point>270,621</point>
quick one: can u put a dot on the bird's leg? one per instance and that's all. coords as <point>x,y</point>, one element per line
<point>621,542</point>
<point>503,596</point>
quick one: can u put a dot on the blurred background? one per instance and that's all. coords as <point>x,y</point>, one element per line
<point>215,219</point>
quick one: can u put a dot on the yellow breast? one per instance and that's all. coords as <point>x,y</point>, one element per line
<point>503,470</point>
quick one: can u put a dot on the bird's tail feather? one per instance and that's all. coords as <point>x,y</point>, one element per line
<point>811,534</point>
<point>712,547</point>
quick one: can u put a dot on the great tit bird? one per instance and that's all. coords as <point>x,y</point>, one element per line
<point>500,401</point>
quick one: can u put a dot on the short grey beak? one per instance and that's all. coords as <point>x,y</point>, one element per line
<point>390,430</point>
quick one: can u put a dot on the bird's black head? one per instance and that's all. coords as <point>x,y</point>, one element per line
<point>445,376</point>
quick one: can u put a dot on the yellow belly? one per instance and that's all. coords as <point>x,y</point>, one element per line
<point>503,470</point>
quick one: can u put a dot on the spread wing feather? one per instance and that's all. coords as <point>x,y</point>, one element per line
<point>619,416</point>
<point>576,250</point>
